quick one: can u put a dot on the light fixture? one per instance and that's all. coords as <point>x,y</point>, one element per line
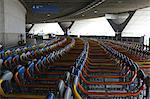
<point>48,15</point>
<point>95,11</point>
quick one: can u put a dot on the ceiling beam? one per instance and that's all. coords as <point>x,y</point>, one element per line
<point>53,1</point>
<point>84,9</point>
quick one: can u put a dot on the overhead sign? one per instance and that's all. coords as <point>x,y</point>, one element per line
<point>44,8</point>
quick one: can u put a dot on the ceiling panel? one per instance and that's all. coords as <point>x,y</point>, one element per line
<point>65,10</point>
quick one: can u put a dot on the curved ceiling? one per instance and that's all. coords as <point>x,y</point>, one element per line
<point>42,11</point>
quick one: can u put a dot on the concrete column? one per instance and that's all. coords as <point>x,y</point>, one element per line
<point>2,21</point>
<point>12,22</point>
<point>139,25</point>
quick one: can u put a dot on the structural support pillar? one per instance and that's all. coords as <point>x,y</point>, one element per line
<point>12,22</point>
<point>2,21</point>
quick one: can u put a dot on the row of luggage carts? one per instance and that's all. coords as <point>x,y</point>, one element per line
<point>142,58</point>
<point>135,49</point>
<point>34,72</point>
<point>105,73</point>
<point>71,68</point>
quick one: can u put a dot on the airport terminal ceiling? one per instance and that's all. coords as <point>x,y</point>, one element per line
<point>44,11</point>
